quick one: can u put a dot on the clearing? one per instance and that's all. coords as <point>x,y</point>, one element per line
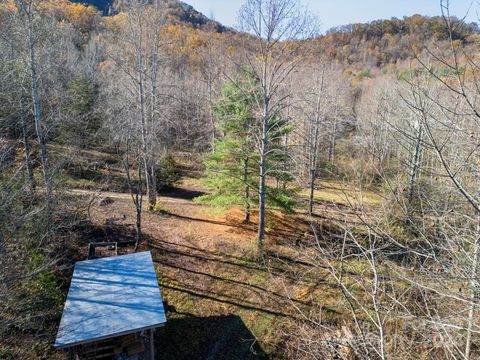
<point>219,299</point>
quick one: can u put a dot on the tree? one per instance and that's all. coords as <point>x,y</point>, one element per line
<point>16,111</point>
<point>124,147</point>
<point>313,141</point>
<point>434,132</point>
<point>136,54</point>
<point>272,56</point>
<point>36,50</point>
<point>231,167</point>
<point>448,116</point>
<point>321,114</point>
<point>29,14</point>
<point>81,123</point>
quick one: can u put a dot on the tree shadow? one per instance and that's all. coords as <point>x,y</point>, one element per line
<point>210,338</point>
<point>234,282</point>
<point>180,193</point>
<point>207,256</point>
<point>224,299</point>
<point>209,221</point>
<point>282,229</point>
<point>111,231</point>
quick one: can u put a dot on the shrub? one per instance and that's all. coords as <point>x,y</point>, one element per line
<point>364,74</point>
<point>168,173</point>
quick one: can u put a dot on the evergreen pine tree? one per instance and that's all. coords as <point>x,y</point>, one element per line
<point>233,167</point>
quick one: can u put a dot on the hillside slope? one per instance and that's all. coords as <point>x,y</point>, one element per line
<point>176,11</point>
<point>383,42</point>
<point>360,46</point>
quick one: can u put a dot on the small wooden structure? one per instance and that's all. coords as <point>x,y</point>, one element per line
<point>98,249</point>
<point>112,308</point>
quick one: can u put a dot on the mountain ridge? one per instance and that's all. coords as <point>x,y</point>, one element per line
<point>177,9</point>
<point>377,43</point>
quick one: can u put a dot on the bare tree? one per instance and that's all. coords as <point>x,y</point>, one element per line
<point>313,139</point>
<point>139,61</point>
<point>319,113</point>
<point>450,124</point>
<point>135,188</point>
<point>273,24</point>
<point>29,13</point>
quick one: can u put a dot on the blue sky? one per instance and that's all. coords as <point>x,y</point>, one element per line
<point>340,12</point>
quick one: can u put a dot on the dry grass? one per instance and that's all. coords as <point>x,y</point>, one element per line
<point>210,275</point>
<point>208,271</point>
<point>339,193</point>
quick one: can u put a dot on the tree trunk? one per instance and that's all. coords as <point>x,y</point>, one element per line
<point>210,92</point>
<point>286,140</point>
<point>263,175</point>
<point>138,210</point>
<point>138,222</point>
<point>37,112</point>
<point>313,163</point>
<point>333,139</point>
<point>473,295</point>
<point>312,191</point>
<point>135,192</point>
<point>151,193</point>
<point>314,149</point>
<point>247,190</point>
<point>415,165</point>
<point>153,102</point>
<point>28,162</point>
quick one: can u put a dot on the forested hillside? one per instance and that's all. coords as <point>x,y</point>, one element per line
<point>304,195</point>
<point>175,10</point>
<point>385,42</point>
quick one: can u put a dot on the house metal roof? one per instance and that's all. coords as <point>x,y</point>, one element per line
<point>109,297</point>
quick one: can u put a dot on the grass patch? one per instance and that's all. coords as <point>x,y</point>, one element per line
<point>339,193</point>
<point>214,211</point>
<point>358,267</point>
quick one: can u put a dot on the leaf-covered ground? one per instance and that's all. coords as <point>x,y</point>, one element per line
<point>222,302</point>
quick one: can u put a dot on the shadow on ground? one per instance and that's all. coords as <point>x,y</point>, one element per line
<point>181,193</point>
<point>208,338</point>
